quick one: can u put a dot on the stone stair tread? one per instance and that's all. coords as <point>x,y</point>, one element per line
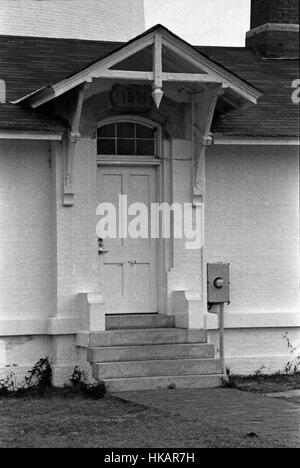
<point>157,351</point>
<point>121,330</point>
<point>129,321</point>
<point>164,329</point>
<point>158,367</point>
<point>163,377</point>
<point>139,314</point>
<point>139,336</point>
<point>167,345</point>
<point>116,385</point>
<point>148,361</point>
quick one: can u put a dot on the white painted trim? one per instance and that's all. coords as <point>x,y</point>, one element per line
<point>149,76</point>
<point>124,75</point>
<point>192,78</point>
<point>255,320</point>
<point>267,141</point>
<point>21,135</point>
<point>33,326</point>
<point>127,162</point>
<point>157,61</point>
<point>272,27</point>
<point>129,118</point>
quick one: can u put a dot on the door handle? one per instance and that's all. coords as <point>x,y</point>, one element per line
<point>101,249</point>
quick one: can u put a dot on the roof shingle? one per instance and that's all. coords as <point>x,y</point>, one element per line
<point>21,118</point>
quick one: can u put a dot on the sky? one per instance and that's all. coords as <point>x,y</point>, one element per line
<point>202,22</point>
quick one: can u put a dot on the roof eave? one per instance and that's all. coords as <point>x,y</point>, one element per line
<point>14,134</point>
<point>255,140</point>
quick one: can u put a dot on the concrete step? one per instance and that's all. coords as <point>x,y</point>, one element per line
<point>162,382</point>
<point>155,368</point>
<point>150,352</point>
<point>116,322</point>
<point>130,337</point>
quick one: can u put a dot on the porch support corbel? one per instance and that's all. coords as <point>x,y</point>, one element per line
<point>203,107</point>
<point>72,136</point>
<point>69,144</point>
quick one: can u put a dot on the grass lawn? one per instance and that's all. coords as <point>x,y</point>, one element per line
<point>265,383</point>
<point>57,421</point>
<point>63,419</point>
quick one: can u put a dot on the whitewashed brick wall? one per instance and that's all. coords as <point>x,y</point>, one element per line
<point>112,20</point>
<point>252,222</point>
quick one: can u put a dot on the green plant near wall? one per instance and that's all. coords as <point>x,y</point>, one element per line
<point>78,377</point>
<point>41,375</point>
<point>8,384</point>
<point>38,383</point>
<point>79,384</point>
<point>39,379</point>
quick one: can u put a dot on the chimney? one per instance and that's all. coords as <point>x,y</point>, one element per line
<point>274,28</point>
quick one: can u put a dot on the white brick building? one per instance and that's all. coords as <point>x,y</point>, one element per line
<point>110,20</point>
<point>79,127</point>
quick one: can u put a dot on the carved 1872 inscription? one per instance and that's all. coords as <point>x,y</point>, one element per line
<point>131,97</point>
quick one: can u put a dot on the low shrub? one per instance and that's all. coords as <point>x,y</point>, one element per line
<point>38,384</point>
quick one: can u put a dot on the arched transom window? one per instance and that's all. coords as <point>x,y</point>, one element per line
<point>126,139</point>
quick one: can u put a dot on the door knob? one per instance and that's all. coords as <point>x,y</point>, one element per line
<point>101,249</point>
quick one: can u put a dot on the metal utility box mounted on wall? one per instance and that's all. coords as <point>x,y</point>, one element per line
<point>218,292</point>
<point>218,282</point>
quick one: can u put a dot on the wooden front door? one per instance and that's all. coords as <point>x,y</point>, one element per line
<point>128,276</point>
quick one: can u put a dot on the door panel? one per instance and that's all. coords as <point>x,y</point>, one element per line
<point>128,271</point>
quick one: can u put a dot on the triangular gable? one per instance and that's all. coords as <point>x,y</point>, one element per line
<point>201,68</point>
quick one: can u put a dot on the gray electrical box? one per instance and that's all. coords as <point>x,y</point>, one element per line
<point>218,283</point>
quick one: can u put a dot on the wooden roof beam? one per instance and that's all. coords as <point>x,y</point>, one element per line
<point>153,76</point>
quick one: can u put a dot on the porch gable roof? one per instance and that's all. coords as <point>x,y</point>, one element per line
<point>156,37</point>
<point>31,63</point>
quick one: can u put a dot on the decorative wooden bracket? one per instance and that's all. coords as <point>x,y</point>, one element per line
<point>157,70</point>
<point>203,108</point>
<point>70,141</point>
<point>69,151</point>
